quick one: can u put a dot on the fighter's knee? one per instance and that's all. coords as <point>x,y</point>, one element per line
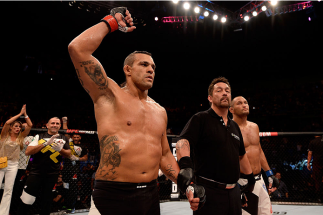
<point>27,198</point>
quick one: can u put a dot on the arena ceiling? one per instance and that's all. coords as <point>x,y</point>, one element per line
<point>266,48</point>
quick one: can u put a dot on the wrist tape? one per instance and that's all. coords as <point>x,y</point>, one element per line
<point>111,23</point>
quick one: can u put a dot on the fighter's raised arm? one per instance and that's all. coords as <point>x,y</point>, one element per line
<point>89,70</point>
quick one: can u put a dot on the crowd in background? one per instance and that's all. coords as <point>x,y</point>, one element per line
<point>294,108</point>
<point>278,107</point>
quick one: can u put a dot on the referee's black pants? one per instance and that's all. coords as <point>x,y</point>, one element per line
<point>221,201</point>
<point>35,184</point>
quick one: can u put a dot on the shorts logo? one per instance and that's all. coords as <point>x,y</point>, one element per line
<point>142,186</point>
<point>235,136</point>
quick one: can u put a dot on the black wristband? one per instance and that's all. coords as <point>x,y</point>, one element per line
<point>185,162</point>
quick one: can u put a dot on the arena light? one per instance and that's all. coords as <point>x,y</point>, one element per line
<point>246,18</point>
<point>186,6</point>
<point>156,18</point>
<point>264,8</point>
<point>206,14</point>
<point>223,19</point>
<point>175,1</point>
<point>254,13</point>
<point>215,17</point>
<point>196,9</point>
<point>273,2</point>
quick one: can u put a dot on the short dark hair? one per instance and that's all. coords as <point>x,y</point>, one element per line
<point>131,57</point>
<point>76,134</point>
<point>215,81</point>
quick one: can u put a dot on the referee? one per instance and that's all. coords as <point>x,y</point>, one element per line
<point>47,150</point>
<point>211,144</point>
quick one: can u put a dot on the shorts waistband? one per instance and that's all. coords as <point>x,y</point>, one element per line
<point>257,176</point>
<point>213,183</point>
<point>100,184</point>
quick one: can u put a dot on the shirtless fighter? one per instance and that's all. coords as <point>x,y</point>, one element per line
<point>258,200</point>
<point>131,126</point>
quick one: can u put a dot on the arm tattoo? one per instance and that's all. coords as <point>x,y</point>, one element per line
<point>110,157</point>
<point>183,144</point>
<point>170,171</point>
<point>79,77</point>
<point>95,73</point>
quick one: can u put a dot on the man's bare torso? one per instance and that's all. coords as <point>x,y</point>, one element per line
<point>130,132</point>
<point>251,139</point>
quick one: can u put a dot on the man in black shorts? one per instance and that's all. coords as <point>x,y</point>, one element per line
<point>47,150</point>
<point>211,145</point>
<point>131,126</point>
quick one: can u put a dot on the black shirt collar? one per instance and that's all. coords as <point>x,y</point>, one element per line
<point>212,113</point>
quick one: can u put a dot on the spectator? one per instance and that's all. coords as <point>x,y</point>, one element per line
<point>71,168</point>
<point>22,165</point>
<point>47,154</point>
<point>81,196</point>
<point>11,143</point>
<point>315,149</point>
<point>281,192</point>
<point>59,193</point>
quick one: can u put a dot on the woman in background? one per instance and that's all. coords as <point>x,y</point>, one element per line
<point>11,142</point>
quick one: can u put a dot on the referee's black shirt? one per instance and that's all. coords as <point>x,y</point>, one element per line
<point>215,148</point>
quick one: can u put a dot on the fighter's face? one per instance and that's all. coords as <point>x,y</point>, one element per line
<point>53,126</point>
<point>143,71</point>
<point>221,96</point>
<point>76,138</point>
<point>240,106</point>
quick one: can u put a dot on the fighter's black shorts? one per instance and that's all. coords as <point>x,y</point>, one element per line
<point>122,198</point>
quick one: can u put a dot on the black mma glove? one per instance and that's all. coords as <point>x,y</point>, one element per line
<point>272,179</point>
<point>112,22</point>
<point>185,175</point>
<point>184,180</point>
<point>199,192</point>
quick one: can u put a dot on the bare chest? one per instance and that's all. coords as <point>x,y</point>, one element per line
<point>250,137</point>
<point>142,116</point>
<point>132,116</point>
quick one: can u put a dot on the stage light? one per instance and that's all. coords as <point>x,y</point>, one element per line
<point>186,6</point>
<point>156,18</point>
<point>196,9</point>
<point>246,18</point>
<point>175,1</point>
<point>254,13</point>
<point>215,17</point>
<point>264,8</point>
<point>223,19</point>
<point>206,13</point>
<point>273,2</point>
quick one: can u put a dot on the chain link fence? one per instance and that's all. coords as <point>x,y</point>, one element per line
<point>286,154</point>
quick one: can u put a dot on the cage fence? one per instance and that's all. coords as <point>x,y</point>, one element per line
<point>286,154</point>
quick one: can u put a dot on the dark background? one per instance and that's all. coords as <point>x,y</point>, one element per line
<point>275,62</point>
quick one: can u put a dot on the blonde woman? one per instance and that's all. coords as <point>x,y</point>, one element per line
<point>11,143</point>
